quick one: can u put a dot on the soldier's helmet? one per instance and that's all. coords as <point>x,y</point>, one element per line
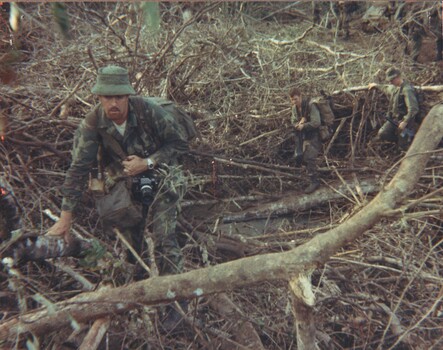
<point>112,81</point>
<point>392,73</point>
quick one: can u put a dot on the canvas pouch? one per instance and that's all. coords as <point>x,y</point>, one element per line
<point>118,208</point>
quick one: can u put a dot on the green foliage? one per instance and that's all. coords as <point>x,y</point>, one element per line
<point>93,255</point>
<point>151,17</point>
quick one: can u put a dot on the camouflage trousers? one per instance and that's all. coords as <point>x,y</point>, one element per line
<point>389,132</point>
<point>311,150</point>
<point>160,219</point>
<point>416,44</point>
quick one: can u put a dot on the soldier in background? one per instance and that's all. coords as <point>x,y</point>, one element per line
<point>435,26</point>
<point>307,121</point>
<point>343,11</point>
<point>418,20</point>
<point>403,108</point>
<point>316,12</point>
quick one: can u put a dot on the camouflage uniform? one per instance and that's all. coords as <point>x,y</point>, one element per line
<point>435,23</point>
<point>417,21</point>
<point>10,211</point>
<point>164,143</point>
<point>403,106</point>
<point>414,19</point>
<point>343,11</point>
<point>311,138</point>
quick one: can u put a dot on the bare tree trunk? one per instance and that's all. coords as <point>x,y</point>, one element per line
<point>303,304</point>
<point>242,272</point>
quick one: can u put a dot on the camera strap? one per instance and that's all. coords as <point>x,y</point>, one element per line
<point>115,146</point>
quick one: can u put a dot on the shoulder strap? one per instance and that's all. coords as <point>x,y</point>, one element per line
<point>115,146</point>
<point>139,107</point>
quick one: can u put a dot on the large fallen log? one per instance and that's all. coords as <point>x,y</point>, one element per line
<point>246,271</point>
<point>424,88</point>
<point>296,202</point>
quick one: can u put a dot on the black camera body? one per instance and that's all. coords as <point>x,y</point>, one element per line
<point>145,188</point>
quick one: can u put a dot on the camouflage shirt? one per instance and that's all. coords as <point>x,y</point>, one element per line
<point>403,102</point>
<point>163,142</point>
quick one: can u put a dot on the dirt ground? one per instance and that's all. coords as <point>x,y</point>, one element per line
<point>231,67</point>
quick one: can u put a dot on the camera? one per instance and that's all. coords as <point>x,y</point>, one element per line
<point>144,188</point>
<point>147,186</point>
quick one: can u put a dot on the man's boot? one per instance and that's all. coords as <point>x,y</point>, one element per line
<point>315,183</point>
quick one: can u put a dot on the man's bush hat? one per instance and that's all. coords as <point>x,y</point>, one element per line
<point>111,81</point>
<point>392,73</point>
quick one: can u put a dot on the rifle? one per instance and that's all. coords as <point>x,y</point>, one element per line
<point>406,131</point>
<point>298,147</point>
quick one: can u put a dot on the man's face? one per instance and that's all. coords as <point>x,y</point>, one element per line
<point>295,100</point>
<point>396,81</point>
<point>115,107</point>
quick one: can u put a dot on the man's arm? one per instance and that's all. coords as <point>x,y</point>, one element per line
<point>314,119</point>
<point>411,104</point>
<point>62,226</point>
<point>173,142</point>
<point>386,89</point>
<point>84,155</point>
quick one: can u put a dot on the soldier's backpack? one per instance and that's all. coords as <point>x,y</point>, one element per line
<point>324,105</point>
<point>422,108</point>
<point>184,120</point>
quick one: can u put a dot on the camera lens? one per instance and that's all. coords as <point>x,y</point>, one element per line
<point>146,190</point>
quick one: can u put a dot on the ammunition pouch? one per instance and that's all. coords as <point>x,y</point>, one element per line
<point>118,207</point>
<point>96,186</point>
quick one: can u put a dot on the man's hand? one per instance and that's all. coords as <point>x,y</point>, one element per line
<point>134,165</point>
<point>402,126</point>
<point>299,126</point>
<point>62,226</point>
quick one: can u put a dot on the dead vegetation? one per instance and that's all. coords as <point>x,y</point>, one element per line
<point>231,66</point>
